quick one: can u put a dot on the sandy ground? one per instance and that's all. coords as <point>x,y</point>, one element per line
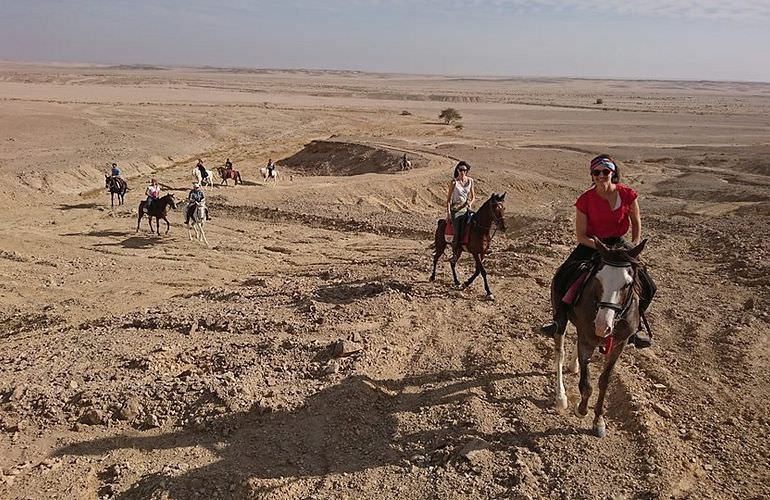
<point>143,366</point>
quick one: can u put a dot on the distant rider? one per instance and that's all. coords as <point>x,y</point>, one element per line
<point>153,193</point>
<point>196,195</point>
<point>228,165</point>
<point>202,170</point>
<point>270,168</point>
<point>115,170</point>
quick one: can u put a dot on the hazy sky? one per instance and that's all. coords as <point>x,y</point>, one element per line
<point>702,39</point>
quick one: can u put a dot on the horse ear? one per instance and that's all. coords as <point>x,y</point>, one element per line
<point>634,252</point>
<point>502,196</point>
<point>494,197</point>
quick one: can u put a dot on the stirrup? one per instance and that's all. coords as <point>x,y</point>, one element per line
<point>640,340</point>
<point>550,329</point>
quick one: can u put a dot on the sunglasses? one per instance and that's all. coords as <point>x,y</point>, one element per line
<point>463,170</point>
<point>606,172</point>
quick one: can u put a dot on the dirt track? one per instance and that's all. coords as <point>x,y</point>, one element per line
<point>136,366</point>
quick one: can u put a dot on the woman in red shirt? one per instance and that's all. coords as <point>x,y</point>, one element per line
<point>605,212</point>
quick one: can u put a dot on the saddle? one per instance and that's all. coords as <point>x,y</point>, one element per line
<point>449,229</point>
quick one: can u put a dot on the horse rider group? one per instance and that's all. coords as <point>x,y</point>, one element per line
<point>603,213</point>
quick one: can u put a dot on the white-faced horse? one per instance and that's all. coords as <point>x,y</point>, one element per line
<point>200,179</point>
<point>197,221</point>
<point>264,172</point>
<point>605,315</point>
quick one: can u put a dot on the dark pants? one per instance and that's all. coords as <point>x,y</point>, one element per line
<point>582,259</point>
<point>458,226</point>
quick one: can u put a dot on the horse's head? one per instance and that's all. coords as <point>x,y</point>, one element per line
<point>497,207</point>
<point>171,200</point>
<point>616,277</point>
<point>107,181</point>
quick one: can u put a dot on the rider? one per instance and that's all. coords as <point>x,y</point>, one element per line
<point>202,169</point>
<point>115,170</point>
<point>458,202</point>
<point>270,168</point>
<point>152,192</point>
<point>228,164</point>
<point>195,196</point>
<point>604,212</point>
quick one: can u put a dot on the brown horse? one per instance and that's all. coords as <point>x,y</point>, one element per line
<point>491,213</point>
<point>117,186</point>
<point>159,210</point>
<point>231,173</point>
<point>605,315</point>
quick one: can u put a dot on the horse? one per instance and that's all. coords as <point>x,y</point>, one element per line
<point>159,210</point>
<point>117,186</point>
<point>231,173</point>
<point>197,220</point>
<point>200,179</point>
<point>491,213</point>
<point>606,314</point>
<point>265,174</point>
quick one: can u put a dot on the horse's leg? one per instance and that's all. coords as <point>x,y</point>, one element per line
<point>584,355</point>
<point>112,199</point>
<point>440,245</point>
<point>476,271</point>
<point>600,427</point>
<point>203,236</point>
<point>190,225</point>
<point>149,221</point>
<point>490,296</point>
<point>141,213</point>
<point>561,395</point>
<point>453,263</point>
<point>168,226</point>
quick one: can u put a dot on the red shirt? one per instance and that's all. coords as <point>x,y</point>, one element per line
<point>603,222</point>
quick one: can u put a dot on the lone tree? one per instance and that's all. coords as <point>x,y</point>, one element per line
<point>450,115</point>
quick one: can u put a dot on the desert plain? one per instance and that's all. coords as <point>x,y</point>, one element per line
<point>304,353</point>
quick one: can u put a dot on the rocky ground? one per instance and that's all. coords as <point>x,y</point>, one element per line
<point>306,355</point>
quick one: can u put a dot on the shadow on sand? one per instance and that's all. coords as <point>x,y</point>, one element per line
<point>348,427</point>
<point>135,241</point>
<point>80,206</point>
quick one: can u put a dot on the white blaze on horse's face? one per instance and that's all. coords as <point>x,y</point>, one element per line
<point>614,280</point>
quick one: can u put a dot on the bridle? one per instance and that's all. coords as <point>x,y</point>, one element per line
<point>496,220</point>
<point>620,309</point>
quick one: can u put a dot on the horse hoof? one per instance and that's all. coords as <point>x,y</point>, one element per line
<point>432,279</point>
<point>561,404</point>
<point>600,430</point>
<point>580,413</point>
<point>490,297</point>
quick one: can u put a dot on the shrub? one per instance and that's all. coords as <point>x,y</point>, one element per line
<point>600,101</point>
<point>450,115</point>
<point>406,113</point>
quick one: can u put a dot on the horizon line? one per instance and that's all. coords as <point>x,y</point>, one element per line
<point>150,67</point>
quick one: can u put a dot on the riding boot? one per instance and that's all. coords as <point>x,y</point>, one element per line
<point>559,321</point>
<point>207,214</point>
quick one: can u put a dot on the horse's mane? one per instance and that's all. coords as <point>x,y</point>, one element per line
<point>619,253</point>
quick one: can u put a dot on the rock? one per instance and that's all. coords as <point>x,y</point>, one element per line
<point>331,367</point>
<point>92,417</point>
<point>130,409</point>
<point>73,385</point>
<point>660,386</point>
<point>474,450</point>
<point>17,393</point>
<point>152,420</point>
<point>193,327</point>
<point>661,410</point>
<point>345,348</point>
<point>708,467</point>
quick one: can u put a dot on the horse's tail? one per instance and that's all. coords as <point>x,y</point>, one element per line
<point>439,233</point>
